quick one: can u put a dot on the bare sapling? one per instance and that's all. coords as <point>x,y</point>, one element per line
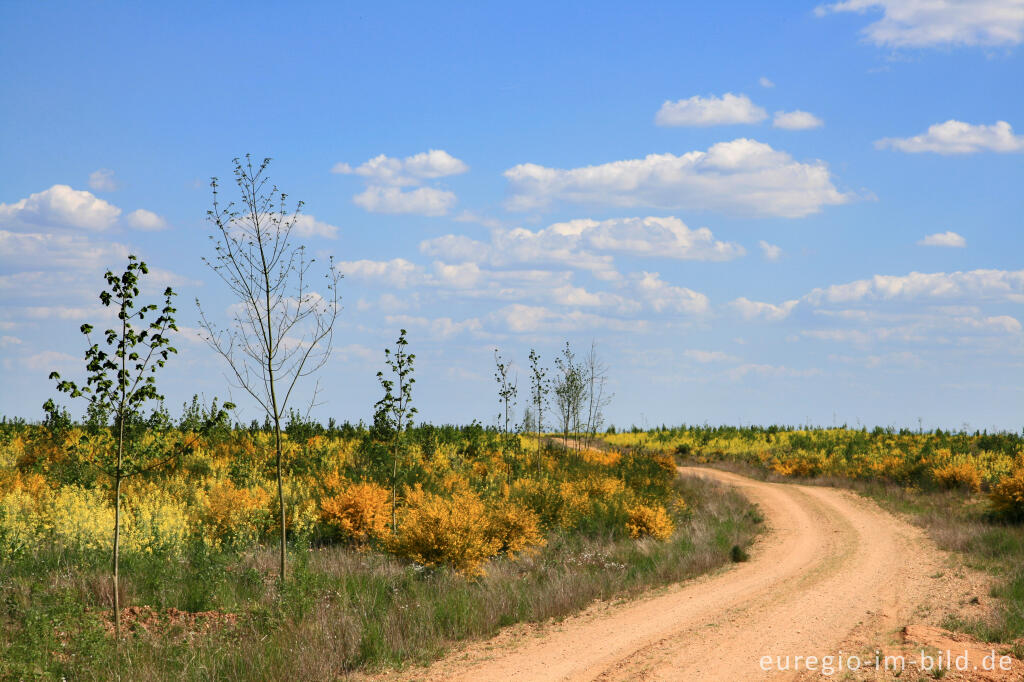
<point>281,329</point>
<point>508,389</point>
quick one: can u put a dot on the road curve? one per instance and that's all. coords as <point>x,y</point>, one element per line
<point>832,564</point>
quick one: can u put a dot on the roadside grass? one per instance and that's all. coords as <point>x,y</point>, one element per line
<point>958,521</point>
<point>342,611</point>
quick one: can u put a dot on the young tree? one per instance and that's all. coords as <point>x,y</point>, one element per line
<point>596,379</point>
<point>281,330</point>
<point>569,391</point>
<point>539,385</point>
<point>508,389</point>
<point>120,380</point>
<point>394,412</point>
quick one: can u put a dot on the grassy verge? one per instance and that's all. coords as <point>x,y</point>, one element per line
<point>960,522</point>
<point>341,611</point>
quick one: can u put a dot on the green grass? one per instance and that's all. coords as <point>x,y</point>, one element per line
<point>341,610</point>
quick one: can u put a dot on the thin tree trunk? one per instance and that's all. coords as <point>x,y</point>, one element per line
<point>117,548</point>
<point>280,496</point>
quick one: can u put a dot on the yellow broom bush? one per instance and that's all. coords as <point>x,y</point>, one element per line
<point>435,530</point>
<point>1007,496</point>
<point>359,512</point>
<point>960,474</point>
<point>649,521</point>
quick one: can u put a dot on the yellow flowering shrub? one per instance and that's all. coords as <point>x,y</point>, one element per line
<point>235,515</point>
<point>515,527</point>
<point>649,521</point>
<point>81,518</point>
<point>156,522</point>
<point>359,512</point>
<point>20,522</point>
<point>962,474</point>
<point>1007,496</point>
<point>435,530</point>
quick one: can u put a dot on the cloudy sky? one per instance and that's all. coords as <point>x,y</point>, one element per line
<point>760,212</point>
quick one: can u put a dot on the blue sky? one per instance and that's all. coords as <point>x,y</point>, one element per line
<point>761,212</point>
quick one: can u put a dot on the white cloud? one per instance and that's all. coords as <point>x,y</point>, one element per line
<point>8,341</point>
<point>957,137</point>
<point>770,251</point>
<point>948,238</point>
<point>710,111</point>
<point>410,171</point>
<point>796,120</point>
<point>765,82</point>
<point>586,244</point>
<point>397,272</point>
<point>742,176</point>
<point>661,296</point>
<point>60,206</point>
<point>978,284</point>
<point>102,180</point>
<point>308,226</point>
<point>50,251</point>
<point>926,23</point>
<point>386,176</point>
<point>440,328</point>
<point>524,318</point>
<point>752,310</point>
<point>141,219</point>
<point>422,201</point>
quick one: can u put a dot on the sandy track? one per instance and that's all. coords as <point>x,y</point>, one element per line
<point>834,573</point>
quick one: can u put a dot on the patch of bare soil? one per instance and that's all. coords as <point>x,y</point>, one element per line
<point>145,619</point>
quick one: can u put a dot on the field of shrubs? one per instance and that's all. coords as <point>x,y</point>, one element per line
<point>992,464</point>
<point>464,495</point>
<point>396,548</point>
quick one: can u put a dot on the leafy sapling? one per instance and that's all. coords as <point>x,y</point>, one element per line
<point>120,380</point>
<point>394,412</point>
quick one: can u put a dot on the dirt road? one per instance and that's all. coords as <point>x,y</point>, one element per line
<point>833,573</point>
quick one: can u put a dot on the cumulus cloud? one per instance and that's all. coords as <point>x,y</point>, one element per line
<point>796,120</point>
<point>521,318</point>
<point>386,176</point>
<point>664,297</point>
<point>957,137</point>
<point>439,328</point>
<point>308,226</point>
<point>742,176</point>
<point>758,310</point>
<point>396,272</point>
<point>141,219</point>
<point>102,180</point>
<point>949,238</point>
<point>765,82</point>
<point>60,206</point>
<point>50,251</point>
<point>929,23</point>
<point>770,251</point>
<point>728,109</point>
<point>580,243</point>
<point>412,170</point>
<point>422,201</point>
<point>976,284</point>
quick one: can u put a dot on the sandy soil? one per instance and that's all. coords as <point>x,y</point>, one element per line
<point>835,573</point>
